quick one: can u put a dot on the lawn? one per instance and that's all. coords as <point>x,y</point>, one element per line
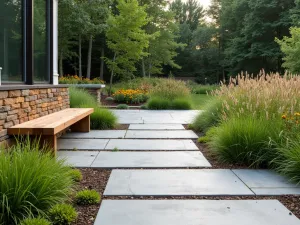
<point>199,100</point>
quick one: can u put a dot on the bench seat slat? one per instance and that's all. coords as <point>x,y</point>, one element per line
<point>52,123</point>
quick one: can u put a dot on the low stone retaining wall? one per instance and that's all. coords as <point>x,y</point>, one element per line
<point>93,89</point>
<point>21,104</point>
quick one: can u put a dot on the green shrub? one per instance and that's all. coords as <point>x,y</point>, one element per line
<point>170,89</point>
<point>246,141</point>
<point>103,119</point>
<point>203,89</point>
<point>181,103</point>
<point>110,99</point>
<point>87,197</point>
<point>210,116</point>
<point>76,175</point>
<point>31,181</point>
<point>35,221</point>
<point>62,214</point>
<point>157,103</point>
<point>122,106</point>
<point>288,160</point>
<point>79,97</point>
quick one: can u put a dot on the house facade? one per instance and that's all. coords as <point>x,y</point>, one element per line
<point>28,42</point>
<point>28,57</point>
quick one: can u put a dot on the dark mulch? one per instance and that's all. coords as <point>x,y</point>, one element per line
<point>121,127</point>
<point>112,103</point>
<point>92,179</point>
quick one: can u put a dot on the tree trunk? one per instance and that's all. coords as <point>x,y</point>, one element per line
<point>112,75</point>
<point>79,56</point>
<point>61,72</point>
<point>150,67</point>
<point>102,64</point>
<point>143,68</point>
<point>88,72</point>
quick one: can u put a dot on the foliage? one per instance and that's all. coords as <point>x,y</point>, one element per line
<point>158,103</point>
<point>111,99</point>
<point>288,160</point>
<point>79,80</point>
<point>181,104</point>
<point>130,96</point>
<point>80,97</point>
<point>266,96</point>
<point>122,106</point>
<point>211,132</point>
<point>126,38</point>
<point>87,197</point>
<point>170,89</point>
<point>161,103</point>
<point>62,214</point>
<point>31,181</point>
<point>246,141</point>
<point>203,89</point>
<point>76,175</point>
<point>35,221</point>
<point>210,116</point>
<point>290,46</point>
<point>101,118</point>
<point>144,107</point>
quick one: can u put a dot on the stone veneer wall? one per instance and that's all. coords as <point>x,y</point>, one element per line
<point>19,106</point>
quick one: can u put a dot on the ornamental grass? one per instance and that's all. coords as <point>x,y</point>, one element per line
<point>266,96</point>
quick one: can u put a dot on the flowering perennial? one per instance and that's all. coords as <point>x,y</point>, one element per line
<point>69,79</point>
<point>131,96</point>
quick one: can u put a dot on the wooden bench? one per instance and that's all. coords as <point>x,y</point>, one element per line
<point>47,127</point>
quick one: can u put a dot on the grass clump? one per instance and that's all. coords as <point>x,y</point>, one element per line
<point>87,197</point>
<point>157,103</point>
<point>203,89</point>
<point>76,175</point>
<point>31,181</point>
<point>181,104</point>
<point>102,118</point>
<point>210,116</point>
<point>208,136</point>
<point>170,89</point>
<point>35,221</point>
<point>62,214</point>
<point>245,141</point>
<point>122,106</point>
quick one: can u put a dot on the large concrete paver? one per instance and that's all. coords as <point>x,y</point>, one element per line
<point>267,182</point>
<point>81,144</point>
<point>194,212</point>
<point>204,182</point>
<point>96,134</point>
<point>156,127</point>
<point>169,134</point>
<point>78,158</point>
<point>152,145</point>
<point>150,160</point>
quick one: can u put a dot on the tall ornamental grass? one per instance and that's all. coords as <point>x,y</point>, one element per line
<point>170,89</point>
<point>266,96</point>
<point>31,182</point>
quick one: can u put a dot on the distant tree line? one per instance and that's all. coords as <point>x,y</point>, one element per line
<point>127,38</point>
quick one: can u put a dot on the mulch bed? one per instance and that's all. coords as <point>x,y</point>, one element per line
<point>121,127</point>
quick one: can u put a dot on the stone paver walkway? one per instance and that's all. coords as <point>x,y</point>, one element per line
<point>157,140</point>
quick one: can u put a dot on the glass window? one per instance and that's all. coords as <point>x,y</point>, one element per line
<point>41,56</point>
<point>11,43</point>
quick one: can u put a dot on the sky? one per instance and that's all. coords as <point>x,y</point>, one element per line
<point>205,3</point>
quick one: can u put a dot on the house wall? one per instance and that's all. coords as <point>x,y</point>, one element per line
<point>19,105</point>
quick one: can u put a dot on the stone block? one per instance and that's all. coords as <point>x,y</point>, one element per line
<point>25,93</point>
<point>14,93</point>
<point>11,117</point>
<point>9,101</point>
<point>3,94</point>
<point>8,124</point>
<point>3,116</point>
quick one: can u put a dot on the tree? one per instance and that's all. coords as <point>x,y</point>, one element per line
<point>126,38</point>
<point>98,12</point>
<point>290,46</point>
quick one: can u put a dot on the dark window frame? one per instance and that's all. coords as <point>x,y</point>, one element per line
<point>28,68</point>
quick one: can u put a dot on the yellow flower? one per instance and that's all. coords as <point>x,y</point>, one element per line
<point>283,117</point>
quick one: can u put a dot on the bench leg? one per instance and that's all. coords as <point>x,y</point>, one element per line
<point>82,125</point>
<point>50,141</point>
